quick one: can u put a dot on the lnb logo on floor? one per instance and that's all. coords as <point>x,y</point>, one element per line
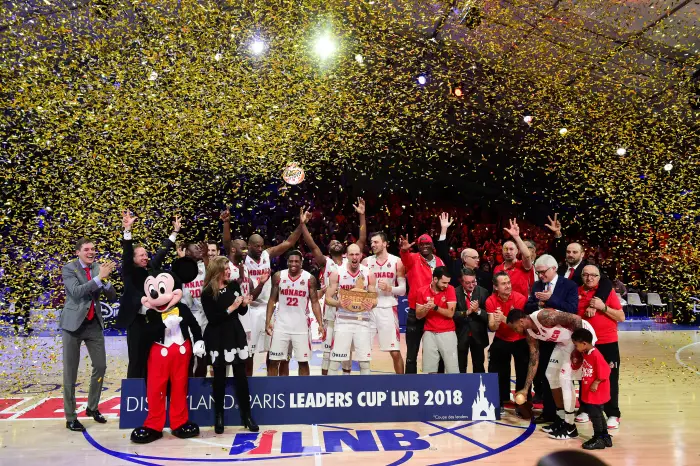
<point>333,441</point>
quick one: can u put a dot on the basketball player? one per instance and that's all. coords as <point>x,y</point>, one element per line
<point>390,277</point>
<point>191,296</point>
<point>328,265</point>
<point>295,287</point>
<point>555,326</point>
<point>237,251</point>
<point>351,328</point>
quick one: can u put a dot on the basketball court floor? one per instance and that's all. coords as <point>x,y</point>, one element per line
<point>659,399</point>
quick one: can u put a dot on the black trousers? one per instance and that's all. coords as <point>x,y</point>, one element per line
<point>541,384</point>
<point>611,353</point>
<point>137,348</point>
<point>465,345</point>
<point>201,368</point>
<point>500,353</point>
<point>414,334</point>
<point>595,412</point>
<point>240,382</point>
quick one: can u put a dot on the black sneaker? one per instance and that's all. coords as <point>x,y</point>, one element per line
<point>596,443</point>
<point>565,432</point>
<point>608,440</point>
<point>548,429</point>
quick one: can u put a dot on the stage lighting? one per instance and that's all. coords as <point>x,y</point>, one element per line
<point>668,167</point>
<point>422,80</point>
<point>563,131</point>
<point>257,47</point>
<point>218,57</point>
<point>621,151</point>
<point>325,47</point>
<point>359,59</point>
<point>528,119</point>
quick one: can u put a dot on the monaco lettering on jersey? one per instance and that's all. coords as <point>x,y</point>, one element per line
<point>258,272</point>
<point>292,292</point>
<point>195,288</point>
<point>384,274</point>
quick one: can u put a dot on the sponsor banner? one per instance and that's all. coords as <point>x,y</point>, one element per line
<point>335,399</point>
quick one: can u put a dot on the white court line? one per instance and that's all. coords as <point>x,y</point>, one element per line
<point>318,458</point>
<point>678,357</point>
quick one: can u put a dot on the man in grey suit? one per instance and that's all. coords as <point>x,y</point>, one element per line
<point>81,321</point>
<point>471,321</point>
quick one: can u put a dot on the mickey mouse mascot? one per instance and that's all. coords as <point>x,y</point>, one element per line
<point>170,324</point>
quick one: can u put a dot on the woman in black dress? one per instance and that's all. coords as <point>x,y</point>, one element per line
<point>225,338</point>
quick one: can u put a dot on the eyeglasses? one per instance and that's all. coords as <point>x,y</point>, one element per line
<point>541,272</point>
<point>591,275</point>
<point>471,282</point>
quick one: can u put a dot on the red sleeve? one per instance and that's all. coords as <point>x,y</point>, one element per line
<point>613,301</point>
<point>490,307</point>
<point>420,296</point>
<point>407,259</point>
<point>499,268</point>
<point>602,370</point>
<point>450,294</point>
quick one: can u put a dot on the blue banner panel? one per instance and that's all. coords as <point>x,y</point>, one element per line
<point>335,399</point>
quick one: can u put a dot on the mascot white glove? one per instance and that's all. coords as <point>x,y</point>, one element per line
<point>198,349</point>
<point>172,322</point>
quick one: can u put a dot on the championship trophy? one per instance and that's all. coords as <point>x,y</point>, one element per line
<point>357,299</point>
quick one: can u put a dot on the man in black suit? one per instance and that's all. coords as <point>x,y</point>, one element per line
<point>551,291</point>
<point>471,321</point>
<point>132,316</point>
<point>468,258</point>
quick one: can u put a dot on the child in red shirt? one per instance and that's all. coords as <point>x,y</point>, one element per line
<point>595,387</point>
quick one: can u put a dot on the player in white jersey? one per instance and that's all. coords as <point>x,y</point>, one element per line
<point>191,296</point>
<point>293,289</point>
<point>390,275</point>
<point>328,265</point>
<point>350,327</point>
<point>555,326</point>
<point>257,263</point>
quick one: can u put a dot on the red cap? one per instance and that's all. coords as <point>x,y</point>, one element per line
<point>425,239</point>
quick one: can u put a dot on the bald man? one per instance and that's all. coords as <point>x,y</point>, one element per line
<point>468,258</point>
<point>351,328</point>
<point>257,266</point>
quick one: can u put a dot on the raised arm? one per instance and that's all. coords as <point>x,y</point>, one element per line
<point>514,231</point>
<point>226,219</point>
<point>168,244</point>
<point>442,249</point>
<point>360,209</point>
<point>284,246</point>
<point>274,294</point>
<point>315,250</point>
<point>559,249</point>
<point>405,253</point>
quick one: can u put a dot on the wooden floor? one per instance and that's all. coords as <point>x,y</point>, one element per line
<point>659,402</point>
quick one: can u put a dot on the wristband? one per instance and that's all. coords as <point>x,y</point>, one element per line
<point>436,308</point>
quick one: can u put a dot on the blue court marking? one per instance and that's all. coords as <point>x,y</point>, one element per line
<point>134,458</point>
<point>407,456</point>
<point>463,437</point>
<point>508,425</point>
<point>513,443</point>
<point>334,427</point>
<point>447,431</point>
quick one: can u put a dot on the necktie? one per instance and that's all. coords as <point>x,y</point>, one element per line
<point>469,298</point>
<point>571,273</point>
<point>91,312</point>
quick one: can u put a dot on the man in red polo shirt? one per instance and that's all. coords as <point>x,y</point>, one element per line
<point>419,274</point>
<point>603,317</point>
<point>506,343</point>
<point>517,270</point>
<point>436,304</point>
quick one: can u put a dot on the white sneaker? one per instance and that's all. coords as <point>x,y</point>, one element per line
<point>613,422</point>
<point>582,418</point>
